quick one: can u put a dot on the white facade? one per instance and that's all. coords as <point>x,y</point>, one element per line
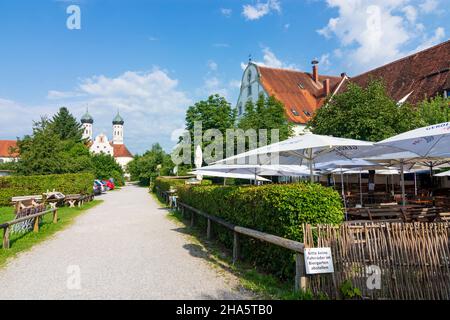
<point>123,161</point>
<point>101,145</point>
<point>88,131</point>
<point>117,134</point>
<point>251,89</point>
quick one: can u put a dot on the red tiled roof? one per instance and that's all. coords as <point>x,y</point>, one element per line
<point>6,147</point>
<point>296,90</point>
<point>121,151</point>
<point>425,73</point>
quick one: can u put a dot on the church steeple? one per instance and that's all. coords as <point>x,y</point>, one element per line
<point>118,123</point>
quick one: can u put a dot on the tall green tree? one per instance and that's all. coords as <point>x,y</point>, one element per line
<point>266,113</point>
<point>365,114</point>
<point>66,125</point>
<point>435,110</point>
<point>214,113</point>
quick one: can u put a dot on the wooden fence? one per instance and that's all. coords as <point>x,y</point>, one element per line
<point>238,232</point>
<point>412,259</point>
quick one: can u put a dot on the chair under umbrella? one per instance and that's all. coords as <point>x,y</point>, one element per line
<point>425,144</point>
<point>209,173</point>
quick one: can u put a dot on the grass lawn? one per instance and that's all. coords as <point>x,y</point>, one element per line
<point>25,241</point>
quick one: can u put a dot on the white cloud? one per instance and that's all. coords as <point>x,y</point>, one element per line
<point>438,36</point>
<point>212,66</point>
<point>324,61</point>
<point>150,102</point>
<point>374,32</point>
<point>221,45</point>
<point>410,13</point>
<point>226,12</point>
<point>260,9</point>
<point>17,118</point>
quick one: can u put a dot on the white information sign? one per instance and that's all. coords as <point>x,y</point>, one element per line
<point>318,260</point>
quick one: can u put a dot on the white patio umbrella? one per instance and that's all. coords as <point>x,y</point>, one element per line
<point>306,149</point>
<point>209,173</point>
<point>427,143</point>
<point>443,174</point>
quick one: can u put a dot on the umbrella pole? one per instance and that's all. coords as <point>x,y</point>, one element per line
<point>360,189</point>
<point>403,183</point>
<point>343,193</point>
<point>311,171</point>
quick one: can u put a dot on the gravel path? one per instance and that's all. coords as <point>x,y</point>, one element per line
<point>125,248</point>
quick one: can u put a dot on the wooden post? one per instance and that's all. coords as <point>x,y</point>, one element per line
<point>208,230</point>
<point>236,247</point>
<point>6,238</point>
<point>301,282</point>
<point>36,224</point>
<point>55,216</point>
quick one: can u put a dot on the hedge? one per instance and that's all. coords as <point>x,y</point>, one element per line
<point>13,186</point>
<point>276,209</point>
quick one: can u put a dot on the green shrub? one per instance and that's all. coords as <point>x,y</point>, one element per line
<point>276,209</point>
<point>165,183</point>
<point>13,186</point>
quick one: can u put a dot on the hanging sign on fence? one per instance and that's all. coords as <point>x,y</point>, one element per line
<point>318,260</point>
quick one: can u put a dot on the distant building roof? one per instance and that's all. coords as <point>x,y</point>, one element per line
<point>121,151</point>
<point>8,149</point>
<point>424,74</point>
<point>87,118</point>
<point>297,90</point>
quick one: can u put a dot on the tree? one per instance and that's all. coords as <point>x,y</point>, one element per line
<point>267,113</point>
<point>214,113</point>
<point>435,110</point>
<point>106,167</point>
<point>365,114</point>
<point>151,164</point>
<point>66,125</point>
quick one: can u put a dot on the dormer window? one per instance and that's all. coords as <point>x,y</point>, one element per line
<point>307,113</point>
<point>294,112</point>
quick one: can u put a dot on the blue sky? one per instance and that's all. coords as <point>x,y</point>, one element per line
<point>152,59</point>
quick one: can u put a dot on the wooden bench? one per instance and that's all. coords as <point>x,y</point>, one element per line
<point>379,214</point>
<point>22,202</point>
<point>414,214</point>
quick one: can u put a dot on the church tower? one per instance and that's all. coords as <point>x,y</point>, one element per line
<point>87,123</point>
<point>118,129</point>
